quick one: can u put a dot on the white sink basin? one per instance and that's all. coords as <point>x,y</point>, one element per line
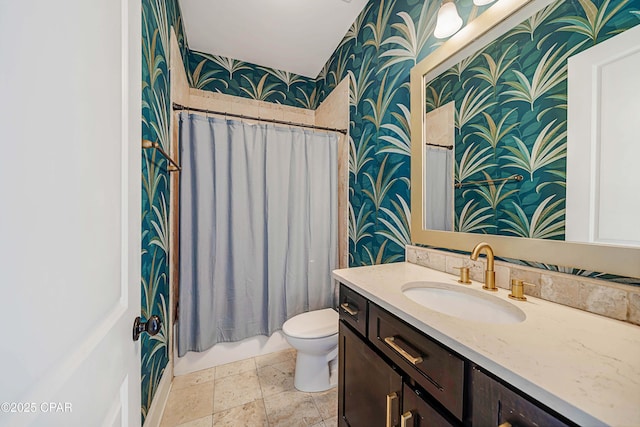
<point>469,304</point>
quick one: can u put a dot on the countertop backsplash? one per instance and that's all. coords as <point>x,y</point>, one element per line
<point>609,299</point>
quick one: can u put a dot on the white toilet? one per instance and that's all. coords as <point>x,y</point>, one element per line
<point>315,336</point>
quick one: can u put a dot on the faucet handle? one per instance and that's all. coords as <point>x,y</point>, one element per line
<point>464,275</point>
<point>517,289</point>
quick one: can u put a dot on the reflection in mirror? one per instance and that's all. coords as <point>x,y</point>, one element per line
<point>521,83</point>
<point>509,131</point>
<point>439,166</point>
<point>603,200</point>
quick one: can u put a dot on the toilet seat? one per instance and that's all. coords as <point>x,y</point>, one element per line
<point>312,324</point>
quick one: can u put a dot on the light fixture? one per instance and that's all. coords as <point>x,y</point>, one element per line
<point>448,22</point>
<point>482,2</point>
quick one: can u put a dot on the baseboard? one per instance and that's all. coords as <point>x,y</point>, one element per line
<point>156,410</point>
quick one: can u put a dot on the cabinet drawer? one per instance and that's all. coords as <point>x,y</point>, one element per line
<point>416,412</point>
<point>494,404</point>
<point>433,367</point>
<point>353,309</point>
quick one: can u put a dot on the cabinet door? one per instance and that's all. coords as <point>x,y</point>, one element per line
<point>369,390</point>
<point>439,372</point>
<point>495,405</point>
<point>416,412</point>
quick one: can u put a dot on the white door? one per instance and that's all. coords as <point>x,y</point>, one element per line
<point>69,212</point>
<point>602,142</point>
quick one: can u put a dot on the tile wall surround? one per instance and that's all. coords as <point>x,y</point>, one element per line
<point>609,299</point>
<point>249,107</point>
<point>333,112</point>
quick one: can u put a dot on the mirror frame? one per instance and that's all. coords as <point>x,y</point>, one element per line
<point>611,259</point>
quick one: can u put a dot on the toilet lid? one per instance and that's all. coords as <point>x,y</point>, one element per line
<point>313,324</point>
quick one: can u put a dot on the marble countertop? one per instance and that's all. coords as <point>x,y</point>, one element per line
<point>584,366</point>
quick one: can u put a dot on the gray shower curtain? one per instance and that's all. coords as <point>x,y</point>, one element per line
<point>438,189</point>
<point>258,212</point>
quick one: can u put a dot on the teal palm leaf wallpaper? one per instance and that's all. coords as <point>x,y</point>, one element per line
<point>158,16</point>
<point>522,77</point>
<point>377,54</point>
<point>511,117</point>
<point>233,77</point>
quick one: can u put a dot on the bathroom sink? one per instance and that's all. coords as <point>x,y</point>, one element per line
<point>462,303</point>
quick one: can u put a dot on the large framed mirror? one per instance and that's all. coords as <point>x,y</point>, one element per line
<point>443,217</point>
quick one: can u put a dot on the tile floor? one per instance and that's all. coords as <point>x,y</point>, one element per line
<point>253,392</point>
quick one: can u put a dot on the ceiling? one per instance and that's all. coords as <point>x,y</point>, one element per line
<point>298,36</point>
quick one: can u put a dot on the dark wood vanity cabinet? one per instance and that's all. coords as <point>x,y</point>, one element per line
<point>353,309</point>
<point>393,375</point>
<point>417,412</point>
<point>372,389</point>
<point>494,404</point>
<point>372,393</point>
<point>430,365</point>
<point>369,389</point>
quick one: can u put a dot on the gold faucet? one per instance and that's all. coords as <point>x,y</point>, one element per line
<point>489,275</point>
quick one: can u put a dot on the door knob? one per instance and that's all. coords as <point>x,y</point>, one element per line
<point>151,326</point>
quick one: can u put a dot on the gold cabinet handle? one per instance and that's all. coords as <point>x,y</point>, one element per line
<point>350,311</point>
<point>405,417</point>
<point>411,359</point>
<point>390,398</point>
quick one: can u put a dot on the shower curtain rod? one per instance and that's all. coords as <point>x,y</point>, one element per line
<point>178,107</point>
